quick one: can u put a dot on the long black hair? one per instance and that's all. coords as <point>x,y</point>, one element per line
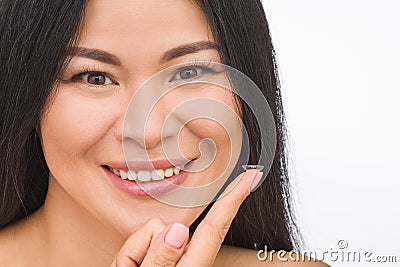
<point>35,38</point>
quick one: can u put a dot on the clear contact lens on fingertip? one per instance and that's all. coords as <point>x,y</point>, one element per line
<point>253,167</point>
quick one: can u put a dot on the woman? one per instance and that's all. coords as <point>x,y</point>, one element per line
<point>68,70</point>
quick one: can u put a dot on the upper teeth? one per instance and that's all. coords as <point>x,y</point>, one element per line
<point>145,176</point>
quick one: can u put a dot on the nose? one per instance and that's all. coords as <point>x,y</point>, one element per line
<point>143,123</point>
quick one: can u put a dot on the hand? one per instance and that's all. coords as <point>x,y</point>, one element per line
<point>156,244</point>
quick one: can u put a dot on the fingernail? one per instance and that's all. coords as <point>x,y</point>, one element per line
<point>254,183</point>
<point>176,235</point>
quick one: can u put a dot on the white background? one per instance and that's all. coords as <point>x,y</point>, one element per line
<point>339,68</point>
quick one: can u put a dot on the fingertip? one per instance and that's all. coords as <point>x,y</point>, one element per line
<point>168,247</point>
<point>255,182</point>
<point>248,174</point>
<point>176,236</point>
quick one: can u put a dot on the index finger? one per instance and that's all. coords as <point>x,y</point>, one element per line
<point>210,233</point>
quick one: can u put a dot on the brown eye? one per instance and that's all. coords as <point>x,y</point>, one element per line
<point>96,78</point>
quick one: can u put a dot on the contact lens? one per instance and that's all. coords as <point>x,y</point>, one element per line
<point>253,167</point>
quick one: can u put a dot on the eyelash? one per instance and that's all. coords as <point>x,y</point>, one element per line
<point>204,66</point>
<point>88,70</point>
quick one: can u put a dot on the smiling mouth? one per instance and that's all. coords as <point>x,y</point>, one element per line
<point>148,175</point>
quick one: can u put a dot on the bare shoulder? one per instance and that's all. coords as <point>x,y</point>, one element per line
<point>234,256</point>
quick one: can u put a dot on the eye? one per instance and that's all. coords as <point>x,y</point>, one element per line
<point>188,73</point>
<point>96,78</point>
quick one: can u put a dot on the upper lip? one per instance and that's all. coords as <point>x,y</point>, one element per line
<point>146,165</point>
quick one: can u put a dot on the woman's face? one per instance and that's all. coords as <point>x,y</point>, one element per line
<point>82,128</point>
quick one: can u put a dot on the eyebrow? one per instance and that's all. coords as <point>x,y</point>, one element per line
<point>95,54</point>
<point>187,49</point>
<point>105,57</point>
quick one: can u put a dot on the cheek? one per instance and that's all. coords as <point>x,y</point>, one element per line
<point>220,140</point>
<point>220,122</point>
<point>221,132</point>
<point>72,125</point>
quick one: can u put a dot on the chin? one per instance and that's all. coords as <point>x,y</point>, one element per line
<point>127,225</point>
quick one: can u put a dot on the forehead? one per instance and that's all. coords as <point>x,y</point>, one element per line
<point>144,28</point>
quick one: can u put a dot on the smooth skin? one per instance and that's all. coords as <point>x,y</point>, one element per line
<point>85,220</point>
<point>204,244</point>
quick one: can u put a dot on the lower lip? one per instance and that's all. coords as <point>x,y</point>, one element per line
<point>147,189</point>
